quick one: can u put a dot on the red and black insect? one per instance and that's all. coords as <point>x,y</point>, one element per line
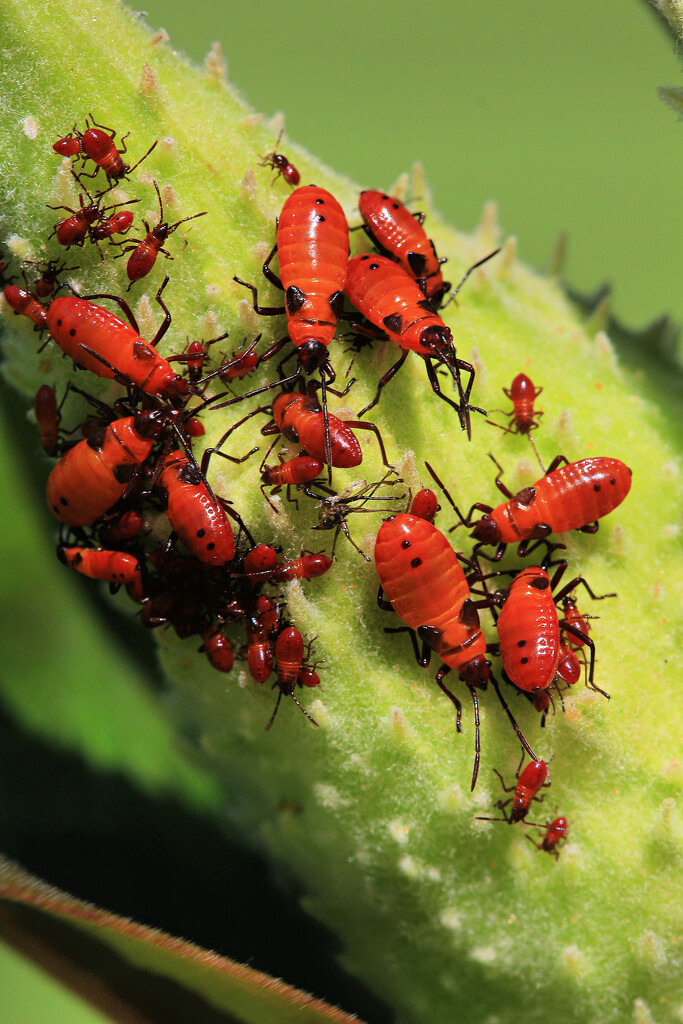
<point>572,497</point>
<point>194,512</point>
<point>197,353</point>
<point>301,419</point>
<point>425,504</point>
<point>398,234</point>
<point>25,304</point>
<point>530,781</point>
<point>568,665</point>
<point>122,527</point>
<point>97,144</point>
<point>240,364</point>
<point>261,566</point>
<point>75,229</point>
<point>294,472</point>
<point>524,417</point>
<point>144,251</point>
<point>260,627</point>
<point>118,224</point>
<point>91,477</point>
<point>115,567</point>
<point>573,617</point>
<point>556,832</point>
<point>281,165</point>
<point>100,342</point>
<point>422,580</point>
<point>289,655</point>
<point>396,310</point>
<point>307,566</point>
<point>529,629</point>
<point>46,412</point>
<point>260,560</point>
<point>70,145</point>
<point>50,273</point>
<point>312,244</point>
<point>218,649</point>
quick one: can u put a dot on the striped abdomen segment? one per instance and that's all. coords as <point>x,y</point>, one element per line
<point>93,475</point>
<point>566,499</point>
<point>391,300</point>
<point>529,631</point>
<point>313,251</point>
<point>394,230</point>
<point>82,328</point>
<point>422,579</point>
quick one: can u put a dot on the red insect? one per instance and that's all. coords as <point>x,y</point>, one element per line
<point>144,251</point>
<point>195,359</point>
<point>301,469</point>
<point>100,342</point>
<point>25,304</point>
<point>240,365</point>
<point>197,353</point>
<point>425,505</point>
<point>49,276</point>
<point>572,497</point>
<point>399,235</point>
<point>122,527</point>
<point>568,665</point>
<point>301,419</point>
<point>529,629</point>
<point>573,617</point>
<point>75,229</point>
<point>261,566</point>
<point>195,514</point>
<point>97,144</point>
<point>218,649</point>
<point>289,654</point>
<point>194,427</point>
<point>47,418</point>
<point>118,224</point>
<point>522,393</point>
<point>308,677</point>
<point>70,145</point>
<point>423,582</point>
<point>313,247</point>
<point>306,567</point>
<point>261,559</point>
<point>530,781</point>
<point>556,832</point>
<point>280,164</point>
<point>114,567</point>
<point>94,474</point>
<point>260,626</point>
<point>395,307</point>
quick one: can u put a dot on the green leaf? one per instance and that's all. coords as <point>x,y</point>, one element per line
<point>215,982</point>
<point>369,817</point>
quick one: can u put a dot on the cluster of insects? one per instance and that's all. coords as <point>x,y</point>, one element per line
<point>137,511</point>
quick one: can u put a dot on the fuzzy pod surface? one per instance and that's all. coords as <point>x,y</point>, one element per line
<point>370,816</point>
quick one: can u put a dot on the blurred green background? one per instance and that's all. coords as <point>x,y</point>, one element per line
<point>549,108</point>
